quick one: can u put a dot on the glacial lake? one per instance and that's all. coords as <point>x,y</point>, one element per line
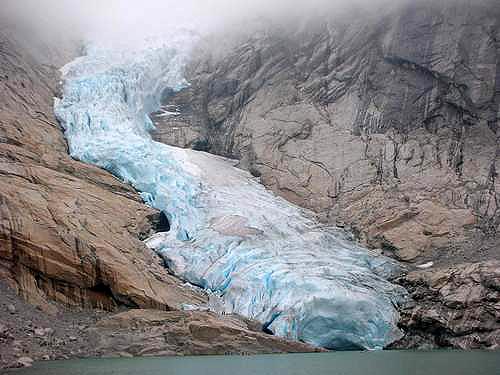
<point>338,363</point>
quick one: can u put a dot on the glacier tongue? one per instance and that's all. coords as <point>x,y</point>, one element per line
<point>266,258</point>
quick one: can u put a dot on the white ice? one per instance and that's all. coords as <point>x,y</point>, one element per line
<point>266,258</point>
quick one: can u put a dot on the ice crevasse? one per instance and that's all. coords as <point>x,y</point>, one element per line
<point>263,257</point>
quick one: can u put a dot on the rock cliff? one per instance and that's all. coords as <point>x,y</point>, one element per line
<point>385,123</point>
<point>453,307</point>
<point>68,231</point>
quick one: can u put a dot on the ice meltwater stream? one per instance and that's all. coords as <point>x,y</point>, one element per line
<point>264,257</point>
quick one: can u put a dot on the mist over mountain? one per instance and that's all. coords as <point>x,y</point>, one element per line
<point>130,18</point>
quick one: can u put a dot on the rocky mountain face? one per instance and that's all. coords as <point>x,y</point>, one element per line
<point>70,236</point>
<point>384,123</point>
<point>68,231</point>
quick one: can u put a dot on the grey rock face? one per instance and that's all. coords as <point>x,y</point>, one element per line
<point>386,124</point>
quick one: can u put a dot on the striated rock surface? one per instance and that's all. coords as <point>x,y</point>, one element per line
<point>385,123</point>
<point>69,232</point>
<point>454,307</point>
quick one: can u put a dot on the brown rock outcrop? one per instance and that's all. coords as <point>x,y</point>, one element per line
<point>73,333</point>
<point>68,231</point>
<point>455,307</point>
<point>154,333</point>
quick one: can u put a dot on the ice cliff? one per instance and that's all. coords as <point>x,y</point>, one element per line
<point>264,257</point>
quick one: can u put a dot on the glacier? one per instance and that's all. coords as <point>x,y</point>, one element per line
<point>256,254</point>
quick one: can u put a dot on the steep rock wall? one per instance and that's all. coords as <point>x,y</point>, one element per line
<point>68,231</point>
<point>385,123</point>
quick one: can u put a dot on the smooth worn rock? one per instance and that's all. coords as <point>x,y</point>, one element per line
<point>154,333</point>
<point>11,308</point>
<point>41,332</point>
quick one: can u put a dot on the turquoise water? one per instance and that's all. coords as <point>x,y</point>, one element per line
<point>339,363</point>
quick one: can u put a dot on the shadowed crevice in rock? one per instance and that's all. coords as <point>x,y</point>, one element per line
<point>163,223</point>
<point>157,222</point>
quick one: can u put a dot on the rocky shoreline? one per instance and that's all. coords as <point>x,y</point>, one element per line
<point>28,334</point>
<point>455,307</point>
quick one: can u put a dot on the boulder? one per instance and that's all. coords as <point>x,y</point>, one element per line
<point>25,362</point>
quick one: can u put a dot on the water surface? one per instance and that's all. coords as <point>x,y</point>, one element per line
<point>339,363</point>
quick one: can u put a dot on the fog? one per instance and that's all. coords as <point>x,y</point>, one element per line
<point>101,19</point>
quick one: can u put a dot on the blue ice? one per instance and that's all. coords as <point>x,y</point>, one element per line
<point>263,257</point>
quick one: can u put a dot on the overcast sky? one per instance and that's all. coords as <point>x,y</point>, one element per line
<point>100,18</point>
